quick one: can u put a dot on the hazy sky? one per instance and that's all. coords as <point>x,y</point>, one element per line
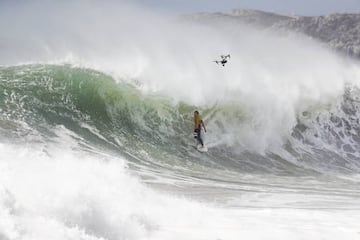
<point>301,7</point>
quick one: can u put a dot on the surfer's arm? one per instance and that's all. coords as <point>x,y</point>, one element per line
<point>203,125</point>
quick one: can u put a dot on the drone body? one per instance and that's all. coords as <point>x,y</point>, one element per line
<point>224,60</point>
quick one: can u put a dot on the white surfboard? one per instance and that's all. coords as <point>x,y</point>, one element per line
<point>201,148</point>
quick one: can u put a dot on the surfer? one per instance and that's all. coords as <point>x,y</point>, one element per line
<point>198,123</point>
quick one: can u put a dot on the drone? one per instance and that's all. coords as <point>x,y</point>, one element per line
<point>224,60</point>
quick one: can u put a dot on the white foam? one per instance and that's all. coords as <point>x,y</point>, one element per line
<point>57,191</point>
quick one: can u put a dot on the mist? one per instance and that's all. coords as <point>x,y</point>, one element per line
<point>275,76</point>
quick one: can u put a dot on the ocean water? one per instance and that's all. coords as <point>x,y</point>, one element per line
<point>96,129</point>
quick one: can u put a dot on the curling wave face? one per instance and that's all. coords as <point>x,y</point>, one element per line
<point>153,130</point>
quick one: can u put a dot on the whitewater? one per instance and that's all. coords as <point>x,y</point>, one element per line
<point>96,107</point>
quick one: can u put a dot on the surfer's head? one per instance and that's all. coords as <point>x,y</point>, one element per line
<point>196,113</point>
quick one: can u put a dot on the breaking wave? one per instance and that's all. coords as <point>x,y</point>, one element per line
<point>156,130</point>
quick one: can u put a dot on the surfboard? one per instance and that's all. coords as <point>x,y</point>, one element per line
<point>201,148</point>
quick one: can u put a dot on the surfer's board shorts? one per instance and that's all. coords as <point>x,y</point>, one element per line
<point>197,135</point>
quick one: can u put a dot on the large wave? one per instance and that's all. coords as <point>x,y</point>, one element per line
<point>95,108</point>
<point>121,118</point>
<point>271,77</point>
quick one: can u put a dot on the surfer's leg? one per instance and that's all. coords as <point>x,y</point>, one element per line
<point>199,136</point>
